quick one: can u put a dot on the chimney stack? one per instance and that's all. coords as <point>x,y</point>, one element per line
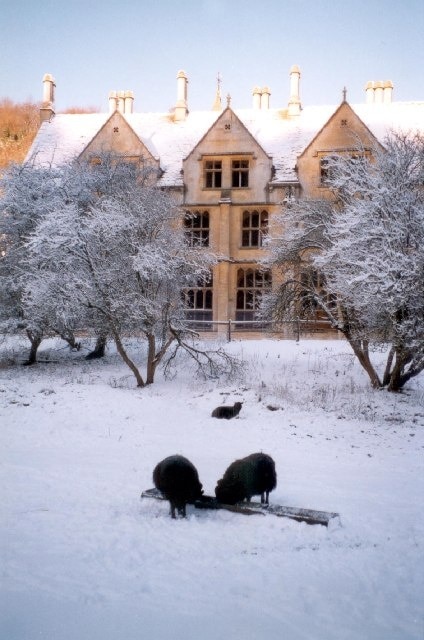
<point>181,108</point>
<point>47,106</point>
<point>121,101</point>
<point>294,102</point>
<point>379,92</point>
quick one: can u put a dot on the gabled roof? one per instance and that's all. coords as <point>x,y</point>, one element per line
<point>282,137</point>
<point>344,106</point>
<point>228,112</point>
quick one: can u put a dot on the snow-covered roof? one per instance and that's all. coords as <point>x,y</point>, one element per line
<point>282,137</point>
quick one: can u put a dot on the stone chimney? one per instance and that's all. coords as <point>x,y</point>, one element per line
<point>387,91</point>
<point>294,102</point>
<point>47,106</point>
<point>379,92</point>
<point>257,97</point>
<point>121,101</point>
<point>181,108</point>
<point>369,92</point>
<point>261,97</point>
<point>265,94</point>
<point>113,103</point>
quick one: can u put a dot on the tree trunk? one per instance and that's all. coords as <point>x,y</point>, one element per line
<point>397,377</point>
<point>69,337</point>
<point>125,357</point>
<point>360,349</point>
<point>99,349</point>
<point>387,371</point>
<point>151,358</point>
<point>35,340</point>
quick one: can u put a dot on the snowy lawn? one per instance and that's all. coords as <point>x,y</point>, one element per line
<point>84,558</point>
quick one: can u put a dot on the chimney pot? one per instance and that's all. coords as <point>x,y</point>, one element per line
<point>265,94</point>
<point>128,101</point>
<point>256,98</point>
<point>387,91</point>
<point>378,91</point>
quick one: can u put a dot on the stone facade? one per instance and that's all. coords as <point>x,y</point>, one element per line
<point>232,170</point>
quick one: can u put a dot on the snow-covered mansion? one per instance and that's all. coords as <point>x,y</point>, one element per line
<point>234,169</point>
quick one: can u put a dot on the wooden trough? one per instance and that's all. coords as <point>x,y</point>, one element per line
<point>310,516</point>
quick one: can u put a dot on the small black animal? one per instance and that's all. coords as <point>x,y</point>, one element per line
<point>227,412</point>
<point>250,476</point>
<point>178,481</point>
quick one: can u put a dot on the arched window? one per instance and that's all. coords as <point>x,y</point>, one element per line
<point>254,228</point>
<point>251,284</point>
<point>196,228</point>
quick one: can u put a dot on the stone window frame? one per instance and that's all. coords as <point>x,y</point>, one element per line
<point>212,174</point>
<point>254,228</point>
<point>240,168</point>
<point>197,228</point>
<point>198,303</point>
<point>252,282</point>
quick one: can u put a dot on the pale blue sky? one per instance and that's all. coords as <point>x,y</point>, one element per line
<point>94,46</point>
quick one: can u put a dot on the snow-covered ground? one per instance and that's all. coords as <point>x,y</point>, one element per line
<point>84,558</point>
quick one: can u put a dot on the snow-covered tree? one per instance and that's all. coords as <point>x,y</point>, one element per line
<point>116,258</point>
<point>359,258</point>
<point>27,193</point>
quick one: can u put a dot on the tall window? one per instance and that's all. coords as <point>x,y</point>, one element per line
<point>196,228</point>
<point>198,303</point>
<point>251,284</point>
<point>213,174</point>
<point>254,228</point>
<point>240,173</point>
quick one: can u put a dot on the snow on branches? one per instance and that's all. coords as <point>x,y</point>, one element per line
<point>106,253</point>
<point>367,244</point>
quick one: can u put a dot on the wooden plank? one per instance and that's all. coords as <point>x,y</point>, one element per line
<point>310,516</point>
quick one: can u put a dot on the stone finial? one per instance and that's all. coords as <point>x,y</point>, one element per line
<point>217,105</point>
